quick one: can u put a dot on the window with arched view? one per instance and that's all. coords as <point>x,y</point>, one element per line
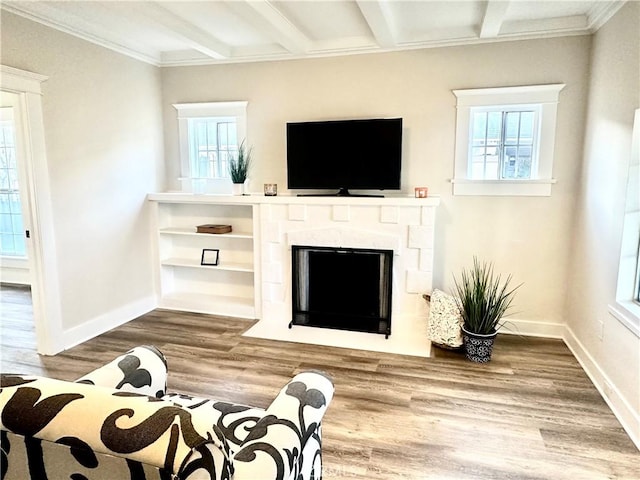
<point>12,243</point>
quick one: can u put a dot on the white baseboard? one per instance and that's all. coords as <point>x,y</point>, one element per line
<point>624,412</point>
<point>533,328</point>
<point>105,322</point>
<point>16,276</point>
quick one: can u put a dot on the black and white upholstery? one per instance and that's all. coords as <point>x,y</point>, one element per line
<point>118,422</point>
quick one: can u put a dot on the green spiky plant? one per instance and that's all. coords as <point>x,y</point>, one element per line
<point>482,299</point>
<point>239,167</point>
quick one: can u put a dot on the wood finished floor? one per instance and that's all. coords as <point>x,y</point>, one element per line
<point>531,413</point>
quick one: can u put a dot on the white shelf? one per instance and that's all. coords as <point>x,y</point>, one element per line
<point>257,199</point>
<point>182,282</point>
<point>210,304</point>
<point>192,232</point>
<point>191,263</point>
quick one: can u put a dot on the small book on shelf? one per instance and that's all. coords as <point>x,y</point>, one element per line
<point>213,228</point>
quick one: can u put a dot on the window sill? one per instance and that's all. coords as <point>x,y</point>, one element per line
<point>627,313</point>
<point>525,188</point>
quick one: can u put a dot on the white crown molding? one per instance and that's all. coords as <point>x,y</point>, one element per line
<point>601,13</point>
<point>27,10</point>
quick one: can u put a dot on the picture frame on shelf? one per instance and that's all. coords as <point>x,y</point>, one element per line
<point>210,257</point>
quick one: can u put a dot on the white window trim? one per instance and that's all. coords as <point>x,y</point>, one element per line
<point>626,309</point>
<point>544,95</point>
<point>206,109</point>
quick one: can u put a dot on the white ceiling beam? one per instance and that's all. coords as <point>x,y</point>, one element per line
<point>494,16</point>
<point>376,15</point>
<point>187,32</point>
<point>265,16</point>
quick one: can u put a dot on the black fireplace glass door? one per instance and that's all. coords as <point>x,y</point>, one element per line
<point>344,283</point>
<point>342,288</point>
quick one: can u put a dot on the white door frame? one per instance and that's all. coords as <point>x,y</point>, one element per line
<point>38,220</point>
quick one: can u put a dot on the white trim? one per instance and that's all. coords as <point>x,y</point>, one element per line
<point>41,248</point>
<point>628,314</point>
<point>545,98</point>
<point>628,417</point>
<point>186,111</point>
<point>509,95</point>
<point>103,323</point>
<point>14,262</point>
<point>531,188</point>
<point>532,328</point>
<point>15,270</point>
<point>625,309</point>
<point>20,81</point>
<point>207,109</point>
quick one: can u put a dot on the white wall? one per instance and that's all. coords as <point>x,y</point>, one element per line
<point>103,128</point>
<point>613,97</point>
<point>529,237</point>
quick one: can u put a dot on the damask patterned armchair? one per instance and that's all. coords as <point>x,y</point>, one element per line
<point>118,423</point>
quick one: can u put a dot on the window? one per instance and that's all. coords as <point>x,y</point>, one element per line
<point>505,140</point>
<point>212,140</point>
<point>627,305</point>
<point>209,135</point>
<point>502,142</point>
<point>637,296</point>
<point>12,243</point>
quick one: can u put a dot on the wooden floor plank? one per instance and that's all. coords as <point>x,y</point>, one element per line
<point>532,413</point>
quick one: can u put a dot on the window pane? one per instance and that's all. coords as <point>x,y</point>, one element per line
<point>233,134</point>
<point>512,128</point>
<point>7,246</point>
<point>479,129</point>
<point>12,241</point>
<point>212,138</point>
<point>527,120</point>
<point>518,144</point>
<point>5,223</point>
<point>486,142</point>
<point>494,128</point>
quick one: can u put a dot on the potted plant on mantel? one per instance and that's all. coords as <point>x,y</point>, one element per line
<point>239,169</point>
<point>483,302</point>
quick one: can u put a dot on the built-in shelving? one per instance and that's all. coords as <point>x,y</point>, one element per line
<point>228,288</point>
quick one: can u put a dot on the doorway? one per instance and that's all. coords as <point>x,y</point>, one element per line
<point>14,262</point>
<point>20,91</point>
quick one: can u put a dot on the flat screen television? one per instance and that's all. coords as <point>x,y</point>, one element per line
<point>344,154</point>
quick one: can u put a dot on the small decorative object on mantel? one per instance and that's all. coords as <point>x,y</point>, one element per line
<point>209,257</point>
<point>239,169</point>
<point>270,189</point>
<point>483,300</point>
<point>211,228</point>
<point>421,192</point>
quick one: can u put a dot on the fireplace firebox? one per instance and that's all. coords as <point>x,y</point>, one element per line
<point>342,288</point>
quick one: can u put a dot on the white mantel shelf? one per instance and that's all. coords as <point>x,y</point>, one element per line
<point>390,200</point>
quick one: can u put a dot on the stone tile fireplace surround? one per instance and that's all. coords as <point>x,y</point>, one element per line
<point>402,224</point>
<point>256,281</point>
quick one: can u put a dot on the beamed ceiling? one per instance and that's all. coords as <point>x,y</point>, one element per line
<point>169,33</point>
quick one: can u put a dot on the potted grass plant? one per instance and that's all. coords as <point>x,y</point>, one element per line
<point>239,169</point>
<point>483,300</point>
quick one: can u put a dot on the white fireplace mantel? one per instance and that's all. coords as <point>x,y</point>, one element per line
<point>403,224</point>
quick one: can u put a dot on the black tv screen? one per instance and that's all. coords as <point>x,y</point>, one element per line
<point>344,154</point>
